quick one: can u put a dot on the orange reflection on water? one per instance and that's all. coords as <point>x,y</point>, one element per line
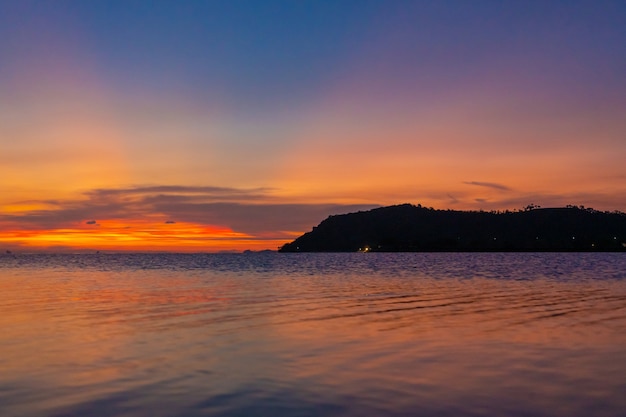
<point>84,335</point>
<point>389,343</point>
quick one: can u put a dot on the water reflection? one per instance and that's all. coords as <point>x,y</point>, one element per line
<point>386,335</point>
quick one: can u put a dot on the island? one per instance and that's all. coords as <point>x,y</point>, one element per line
<point>411,228</point>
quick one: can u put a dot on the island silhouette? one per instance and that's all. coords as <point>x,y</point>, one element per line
<point>410,228</point>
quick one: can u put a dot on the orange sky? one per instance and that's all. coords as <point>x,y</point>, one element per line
<point>171,141</point>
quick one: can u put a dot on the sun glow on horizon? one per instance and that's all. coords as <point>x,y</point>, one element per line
<point>189,120</point>
<point>130,235</point>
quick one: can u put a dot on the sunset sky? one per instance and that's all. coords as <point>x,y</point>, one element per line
<point>231,125</point>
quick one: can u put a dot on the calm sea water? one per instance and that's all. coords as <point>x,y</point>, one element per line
<point>267,334</point>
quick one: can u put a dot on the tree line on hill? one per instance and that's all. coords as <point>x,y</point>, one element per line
<point>409,228</point>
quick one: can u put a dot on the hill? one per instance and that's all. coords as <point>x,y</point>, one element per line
<point>409,228</point>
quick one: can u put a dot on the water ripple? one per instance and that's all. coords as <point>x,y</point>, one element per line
<point>307,335</point>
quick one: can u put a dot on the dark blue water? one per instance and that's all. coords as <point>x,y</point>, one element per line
<point>313,335</point>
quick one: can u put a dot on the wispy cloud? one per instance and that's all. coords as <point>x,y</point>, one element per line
<point>453,199</point>
<point>493,185</point>
<point>154,194</point>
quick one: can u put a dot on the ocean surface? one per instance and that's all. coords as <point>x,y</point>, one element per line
<point>269,334</point>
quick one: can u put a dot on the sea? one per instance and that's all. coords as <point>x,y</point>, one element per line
<point>343,334</point>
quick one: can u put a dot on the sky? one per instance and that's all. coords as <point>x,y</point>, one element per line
<point>203,126</point>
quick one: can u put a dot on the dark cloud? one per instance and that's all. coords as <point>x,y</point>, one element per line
<point>177,191</point>
<point>493,185</point>
<point>250,211</point>
<point>258,218</point>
